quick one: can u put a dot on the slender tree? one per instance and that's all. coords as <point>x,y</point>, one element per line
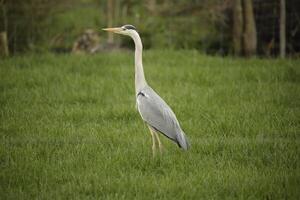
<point>237,27</point>
<point>110,19</point>
<point>3,45</point>
<point>282,27</point>
<point>151,4</point>
<point>3,31</point>
<point>249,36</point>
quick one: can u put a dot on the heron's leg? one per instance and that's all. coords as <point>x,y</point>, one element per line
<point>153,141</point>
<point>159,142</point>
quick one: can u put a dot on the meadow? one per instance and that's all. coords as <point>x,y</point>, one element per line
<point>69,128</point>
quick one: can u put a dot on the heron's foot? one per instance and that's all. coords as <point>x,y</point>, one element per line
<point>153,142</point>
<point>153,151</point>
<point>161,148</point>
<point>159,143</point>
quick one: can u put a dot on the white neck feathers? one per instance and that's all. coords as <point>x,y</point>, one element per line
<point>140,81</point>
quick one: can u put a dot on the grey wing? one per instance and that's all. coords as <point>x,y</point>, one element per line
<point>156,113</point>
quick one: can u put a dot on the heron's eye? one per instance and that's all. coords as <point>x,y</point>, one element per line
<point>124,28</point>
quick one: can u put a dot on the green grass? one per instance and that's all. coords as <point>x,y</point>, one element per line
<point>69,128</point>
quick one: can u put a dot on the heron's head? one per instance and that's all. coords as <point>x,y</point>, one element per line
<point>124,30</point>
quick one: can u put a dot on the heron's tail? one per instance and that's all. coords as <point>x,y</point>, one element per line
<point>183,141</point>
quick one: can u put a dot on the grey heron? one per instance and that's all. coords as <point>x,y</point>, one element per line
<point>153,109</point>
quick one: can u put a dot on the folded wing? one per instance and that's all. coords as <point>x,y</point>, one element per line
<point>156,113</point>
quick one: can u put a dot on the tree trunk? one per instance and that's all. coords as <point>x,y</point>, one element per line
<point>3,45</point>
<point>110,15</point>
<point>152,6</point>
<point>282,25</point>
<point>237,27</point>
<point>249,37</point>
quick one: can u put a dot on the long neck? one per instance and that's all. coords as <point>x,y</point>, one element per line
<point>140,81</point>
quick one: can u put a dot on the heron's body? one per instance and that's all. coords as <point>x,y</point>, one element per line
<point>159,116</point>
<point>153,109</point>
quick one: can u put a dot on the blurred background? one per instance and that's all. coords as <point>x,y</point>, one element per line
<point>68,124</point>
<point>267,28</point>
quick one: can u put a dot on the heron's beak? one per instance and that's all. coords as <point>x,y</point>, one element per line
<point>114,30</point>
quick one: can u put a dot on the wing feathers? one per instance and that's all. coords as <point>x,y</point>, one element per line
<point>154,111</point>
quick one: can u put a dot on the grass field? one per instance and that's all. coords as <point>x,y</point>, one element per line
<point>69,128</point>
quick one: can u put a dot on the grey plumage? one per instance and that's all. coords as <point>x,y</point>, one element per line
<point>157,114</point>
<point>153,109</point>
